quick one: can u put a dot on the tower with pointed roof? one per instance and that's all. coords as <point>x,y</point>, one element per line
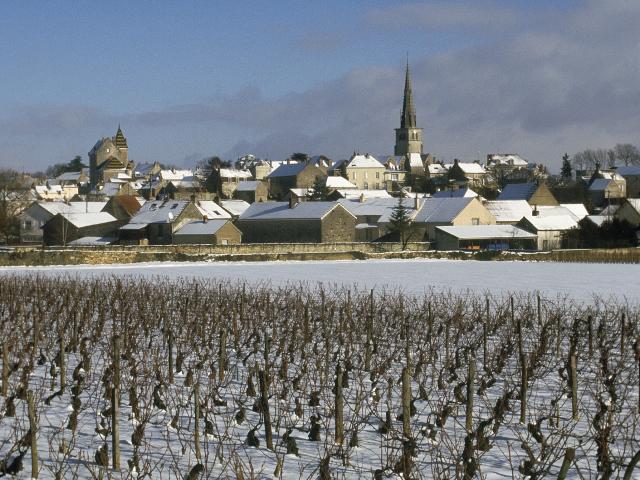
<point>108,154</point>
<point>408,136</point>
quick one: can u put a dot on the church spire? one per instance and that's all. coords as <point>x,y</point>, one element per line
<point>408,119</point>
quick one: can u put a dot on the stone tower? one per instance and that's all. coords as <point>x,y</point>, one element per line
<point>408,136</point>
<point>112,150</point>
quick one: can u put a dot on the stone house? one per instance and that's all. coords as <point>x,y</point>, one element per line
<point>308,222</point>
<point>33,218</point>
<point>631,174</point>
<point>508,212</point>
<point>122,207</point>
<point>208,232</point>
<point>550,230</point>
<point>629,211</point>
<point>293,175</point>
<point>536,194</point>
<point>251,191</point>
<point>365,172</point>
<point>472,174</point>
<point>434,212</point>
<point>55,192</point>
<point>66,227</point>
<point>605,191</point>
<point>157,221</point>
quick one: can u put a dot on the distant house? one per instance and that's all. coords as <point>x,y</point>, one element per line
<point>532,192</point>
<point>251,191</point>
<point>468,173</point>
<point>508,160</point>
<point>435,212</point>
<point>460,192</point>
<point>66,227</point>
<point>33,218</point>
<point>549,230</point>
<point>351,194</point>
<point>603,191</point>
<point>373,215</point>
<point>122,207</point>
<point>308,222</point>
<point>339,183</point>
<point>208,232</point>
<point>366,172</point>
<point>631,174</point>
<point>484,237</point>
<point>629,211</point>
<point>55,192</point>
<point>293,175</point>
<point>156,222</point>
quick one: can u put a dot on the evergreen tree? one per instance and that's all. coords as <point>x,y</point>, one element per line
<point>565,172</point>
<point>319,191</point>
<point>401,223</point>
<point>76,165</point>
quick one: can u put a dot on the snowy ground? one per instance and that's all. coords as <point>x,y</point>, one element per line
<point>580,281</point>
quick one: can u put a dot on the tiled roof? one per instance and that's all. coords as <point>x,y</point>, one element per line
<point>555,222</point>
<point>200,227</point>
<point>287,170</point>
<point>81,220</point>
<point>441,210</point>
<point>518,191</point>
<point>508,210</point>
<point>487,232</point>
<point>159,211</point>
<point>281,211</point>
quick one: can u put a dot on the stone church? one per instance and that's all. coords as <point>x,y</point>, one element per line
<point>108,157</point>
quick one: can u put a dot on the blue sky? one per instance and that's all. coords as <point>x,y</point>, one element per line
<point>191,79</point>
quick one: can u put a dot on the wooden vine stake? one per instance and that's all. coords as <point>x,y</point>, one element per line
<point>264,401</point>
<point>485,327</point>
<point>406,403</point>
<point>170,347</point>
<point>523,390</point>
<point>115,405</point>
<point>569,455</point>
<point>196,421</point>
<point>5,369</point>
<point>33,428</point>
<point>339,423</point>
<point>573,378</point>
<point>469,408</point>
<point>222,354</point>
<point>63,368</point>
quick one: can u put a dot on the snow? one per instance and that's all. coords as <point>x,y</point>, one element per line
<point>339,182</point>
<point>553,222</point>
<point>474,232</point>
<point>81,220</point>
<point>364,161</point>
<point>508,210</point>
<point>580,281</point>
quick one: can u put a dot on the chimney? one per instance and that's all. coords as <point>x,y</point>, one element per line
<point>292,201</point>
<point>362,198</point>
<point>535,212</point>
<point>418,202</point>
<point>205,219</point>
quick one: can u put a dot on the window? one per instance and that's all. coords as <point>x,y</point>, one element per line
<point>28,225</point>
<point>366,175</point>
<point>354,176</point>
<point>377,174</point>
<point>394,176</point>
<point>366,186</point>
<point>475,221</point>
<point>377,186</point>
<point>545,244</point>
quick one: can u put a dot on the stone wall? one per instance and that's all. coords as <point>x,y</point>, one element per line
<point>338,226</point>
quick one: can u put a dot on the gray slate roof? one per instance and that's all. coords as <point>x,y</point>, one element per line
<point>287,170</point>
<point>441,210</point>
<point>281,211</point>
<point>247,186</point>
<point>487,232</point>
<point>599,184</point>
<point>518,191</point>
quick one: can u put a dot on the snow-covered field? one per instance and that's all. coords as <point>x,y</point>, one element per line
<point>191,328</point>
<point>579,281</point>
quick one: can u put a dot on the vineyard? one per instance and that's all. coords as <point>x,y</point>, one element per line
<point>132,378</point>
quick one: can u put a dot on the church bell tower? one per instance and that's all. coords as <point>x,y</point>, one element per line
<point>408,136</point>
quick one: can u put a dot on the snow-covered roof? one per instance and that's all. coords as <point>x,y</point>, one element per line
<point>441,210</point>
<point>366,194</point>
<point>518,191</point>
<point>487,232</point>
<point>610,209</point>
<point>573,211</point>
<point>436,169</point>
<point>72,207</point>
<point>554,222</point>
<point>339,182</point>
<point>468,168</point>
<point>81,220</point>
<point>461,192</point>
<point>300,192</point>
<point>635,203</point>
<point>232,173</point>
<point>415,160</point>
<point>364,161</point>
<point>175,174</point>
<point>159,211</point>
<point>200,227</point>
<point>512,159</point>
<point>95,241</point>
<point>235,207</point>
<point>48,189</point>
<point>598,220</point>
<point>212,210</point>
<point>282,211</point>
<point>69,176</point>
<point>508,210</point>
